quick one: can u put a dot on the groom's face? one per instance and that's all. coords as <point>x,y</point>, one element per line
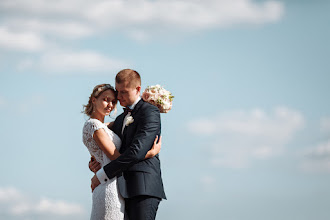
<point>127,94</point>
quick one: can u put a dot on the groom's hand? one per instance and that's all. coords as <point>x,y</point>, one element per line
<point>93,165</point>
<point>95,182</point>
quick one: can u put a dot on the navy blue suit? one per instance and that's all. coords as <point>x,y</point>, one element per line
<point>138,176</point>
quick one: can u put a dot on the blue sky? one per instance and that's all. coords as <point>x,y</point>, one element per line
<point>248,137</point>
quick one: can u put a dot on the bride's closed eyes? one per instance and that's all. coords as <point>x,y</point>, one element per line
<point>108,100</point>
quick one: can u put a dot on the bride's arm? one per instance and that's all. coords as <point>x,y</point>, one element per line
<point>105,143</point>
<point>107,146</point>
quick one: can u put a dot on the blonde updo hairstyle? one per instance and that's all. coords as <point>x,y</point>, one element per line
<point>97,91</point>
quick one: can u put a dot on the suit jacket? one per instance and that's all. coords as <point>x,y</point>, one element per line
<point>137,176</point>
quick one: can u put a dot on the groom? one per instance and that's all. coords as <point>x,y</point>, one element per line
<point>139,181</point>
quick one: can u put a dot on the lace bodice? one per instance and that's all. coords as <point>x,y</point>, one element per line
<point>107,202</point>
<point>90,126</point>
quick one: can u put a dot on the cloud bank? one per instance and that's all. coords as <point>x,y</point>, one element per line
<point>317,157</point>
<point>83,18</point>
<point>14,203</point>
<point>237,138</point>
<point>88,62</point>
<point>41,27</point>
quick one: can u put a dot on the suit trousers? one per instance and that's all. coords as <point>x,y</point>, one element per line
<point>141,207</point>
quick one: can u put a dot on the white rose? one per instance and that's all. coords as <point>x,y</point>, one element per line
<point>129,120</point>
<point>167,105</point>
<point>162,92</point>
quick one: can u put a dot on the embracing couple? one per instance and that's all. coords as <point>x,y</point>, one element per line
<point>127,183</point>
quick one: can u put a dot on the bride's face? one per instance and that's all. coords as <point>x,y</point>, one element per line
<point>105,103</point>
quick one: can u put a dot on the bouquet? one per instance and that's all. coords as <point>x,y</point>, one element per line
<point>159,97</point>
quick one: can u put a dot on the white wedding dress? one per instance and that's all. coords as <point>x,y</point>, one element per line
<point>107,201</point>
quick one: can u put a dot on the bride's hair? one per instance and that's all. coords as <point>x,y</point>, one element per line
<point>97,91</point>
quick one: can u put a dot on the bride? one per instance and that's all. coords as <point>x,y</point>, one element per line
<point>103,145</point>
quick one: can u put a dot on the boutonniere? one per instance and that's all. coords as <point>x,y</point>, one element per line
<point>129,120</point>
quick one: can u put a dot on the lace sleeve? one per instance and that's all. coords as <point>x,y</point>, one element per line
<point>95,125</point>
<point>90,127</point>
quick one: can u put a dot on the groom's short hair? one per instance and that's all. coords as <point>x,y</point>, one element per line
<point>131,76</point>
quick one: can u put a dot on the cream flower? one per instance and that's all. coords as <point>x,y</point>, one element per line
<point>129,120</point>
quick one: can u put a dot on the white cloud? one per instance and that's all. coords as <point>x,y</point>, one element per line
<point>46,8</point>
<point>320,151</point>
<point>238,137</point>
<point>185,14</point>
<point>22,40</point>
<point>47,206</point>
<point>40,25</point>
<point>17,203</point>
<point>317,159</point>
<point>63,29</point>
<point>138,15</point>
<point>73,62</point>
<point>9,194</point>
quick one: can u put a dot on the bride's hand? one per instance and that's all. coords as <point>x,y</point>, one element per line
<point>109,124</point>
<point>93,165</point>
<point>94,182</point>
<point>157,146</point>
<point>155,149</point>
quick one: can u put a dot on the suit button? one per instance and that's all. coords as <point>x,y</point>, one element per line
<point>105,180</point>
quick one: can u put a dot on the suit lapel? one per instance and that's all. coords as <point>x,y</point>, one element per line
<point>137,107</point>
<point>134,112</point>
<point>125,132</point>
<point>121,118</point>
<point>118,125</point>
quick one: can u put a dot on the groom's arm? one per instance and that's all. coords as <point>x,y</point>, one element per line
<point>147,129</point>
